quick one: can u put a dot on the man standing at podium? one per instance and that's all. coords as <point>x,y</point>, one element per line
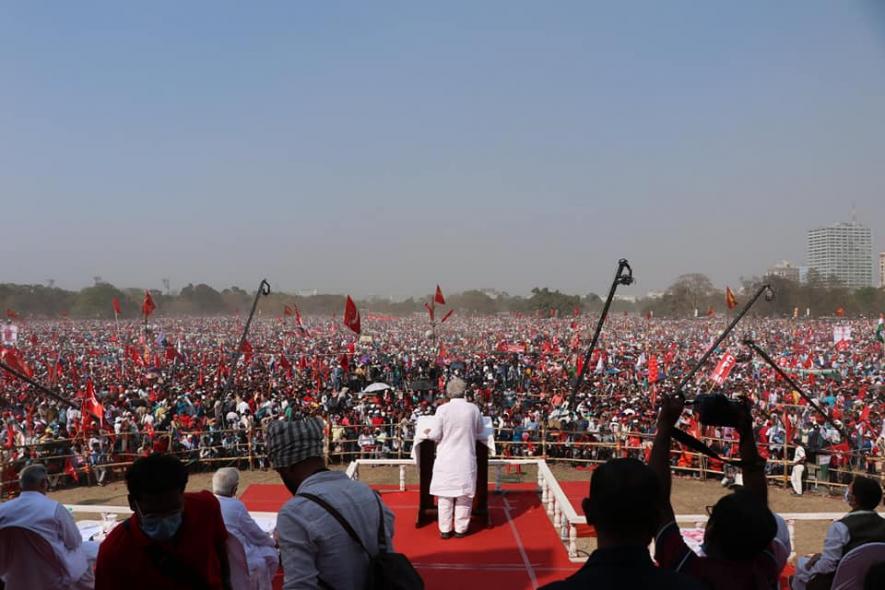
<point>454,470</point>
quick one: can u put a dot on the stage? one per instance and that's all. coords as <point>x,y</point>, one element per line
<point>519,550</point>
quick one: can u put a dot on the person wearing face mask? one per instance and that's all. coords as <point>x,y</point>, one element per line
<point>32,510</point>
<point>174,540</point>
<point>861,525</point>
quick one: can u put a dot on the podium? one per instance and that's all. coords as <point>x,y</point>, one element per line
<point>425,455</point>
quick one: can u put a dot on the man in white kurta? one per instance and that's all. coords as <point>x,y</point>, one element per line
<point>459,423</point>
<point>32,510</point>
<point>260,549</point>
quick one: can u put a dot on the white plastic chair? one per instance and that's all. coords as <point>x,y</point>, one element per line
<point>853,567</point>
<point>28,562</point>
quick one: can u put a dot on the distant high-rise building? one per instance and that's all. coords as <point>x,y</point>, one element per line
<point>882,270</point>
<point>842,254</point>
<point>785,270</point>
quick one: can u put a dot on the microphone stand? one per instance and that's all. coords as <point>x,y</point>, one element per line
<point>624,276</point>
<point>263,289</point>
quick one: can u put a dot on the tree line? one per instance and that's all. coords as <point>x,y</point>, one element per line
<point>688,293</point>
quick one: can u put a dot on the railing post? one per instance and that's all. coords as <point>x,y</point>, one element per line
<point>402,478</point>
<point>572,541</point>
<point>498,469</point>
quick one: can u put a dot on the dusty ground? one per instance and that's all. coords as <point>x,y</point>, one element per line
<point>689,496</point>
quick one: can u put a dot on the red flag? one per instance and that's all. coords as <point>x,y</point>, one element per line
<point>116,303</point>
<point>438,297</point>
<point>344,361</point>
<point>577,311</point>
<point>13,316</point>
<point>91,403</point>
<point>69,470</point>
<point>429,311</point>
<point>730,300</point>
<point>723,368</point>
<point>298,317</point>
<point>840,311</point>
<point>447,316</point>
<point>287,311</point>
<point>351,315</point>
<point>13,358</point>
<point>652,369</point>
<point>148,307</point>
<point>710,311</point>
<point>246,349</point>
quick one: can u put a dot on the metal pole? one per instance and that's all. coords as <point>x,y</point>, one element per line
<point>763,289</point>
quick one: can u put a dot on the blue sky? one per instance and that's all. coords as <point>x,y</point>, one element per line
<point>380,148</point>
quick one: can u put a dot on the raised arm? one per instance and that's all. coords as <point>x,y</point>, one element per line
<point>754,468</point>
<point>671,409</point>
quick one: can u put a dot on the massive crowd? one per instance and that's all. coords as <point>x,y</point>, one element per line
<point>163,387</point>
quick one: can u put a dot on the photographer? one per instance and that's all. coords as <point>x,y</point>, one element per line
<point>740,530</point>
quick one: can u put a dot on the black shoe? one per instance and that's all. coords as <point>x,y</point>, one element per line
<point>446,535</point>
<point>460,535</point>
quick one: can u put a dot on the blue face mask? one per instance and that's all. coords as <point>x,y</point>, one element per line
<point>161,528</point>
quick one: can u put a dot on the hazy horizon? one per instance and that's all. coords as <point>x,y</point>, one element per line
<point>384,148</point>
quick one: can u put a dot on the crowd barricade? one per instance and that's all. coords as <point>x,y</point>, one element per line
<point>344,444</point>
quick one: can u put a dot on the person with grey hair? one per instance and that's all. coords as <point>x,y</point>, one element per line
<point>317,549</point>
<point>260,549</point>
<point>32,510</point>
<point>459,423</point>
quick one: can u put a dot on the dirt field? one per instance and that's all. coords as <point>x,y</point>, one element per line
<point>689,496</point>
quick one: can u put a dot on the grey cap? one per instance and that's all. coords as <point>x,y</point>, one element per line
<point>294,441</point>
<point>456,387</point>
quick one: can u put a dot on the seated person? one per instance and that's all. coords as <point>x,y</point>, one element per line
<point>738,540</point>
<point>861,525</point>
<point>32,510</point>
<point>174,540</point>
<point>623,506</point>
<point>260,549</point>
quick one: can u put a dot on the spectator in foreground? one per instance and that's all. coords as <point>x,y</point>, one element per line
<point>316,550</point>
<point>260,549</point>
<point>861,525</point>
<point>624,507</point>
<point>738,541</point>
<point>174,540</point>
<point>32,510</point>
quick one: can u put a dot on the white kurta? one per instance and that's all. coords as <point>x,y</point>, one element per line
<point>53,522</point>
<point>259,547</point>
<point>459,424</point>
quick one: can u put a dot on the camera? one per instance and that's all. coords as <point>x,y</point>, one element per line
<point>715,409</point>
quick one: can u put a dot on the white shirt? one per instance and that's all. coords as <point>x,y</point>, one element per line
<point>258,545</point>
<point>313,544</point>
<point>53,522</point>
<point>454,470</point>
<point>799,455</point>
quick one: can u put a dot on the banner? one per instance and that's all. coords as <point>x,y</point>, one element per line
<point>723,368</point>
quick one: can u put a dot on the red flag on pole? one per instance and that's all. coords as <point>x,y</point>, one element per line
<point>247,351</point>
<point>116,303</point>
<point>298,317</point>
<point>429,311</point>
<point>710,311</point>
<point>438,297</point>
<point>840,311</point>
<point>730,300</point>
<point>13,358</point>
<point>147,307</point>
<point>447,316</point>
<point>69,470</point>
<point>287,311</point>
<point>652,369</point>
<point>351,315</point>
<point>91,403</point>
<point>13,316</point>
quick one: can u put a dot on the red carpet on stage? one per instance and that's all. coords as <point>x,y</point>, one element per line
<point>519,550</point>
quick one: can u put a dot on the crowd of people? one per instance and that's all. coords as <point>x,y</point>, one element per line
<point>173,386</point>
